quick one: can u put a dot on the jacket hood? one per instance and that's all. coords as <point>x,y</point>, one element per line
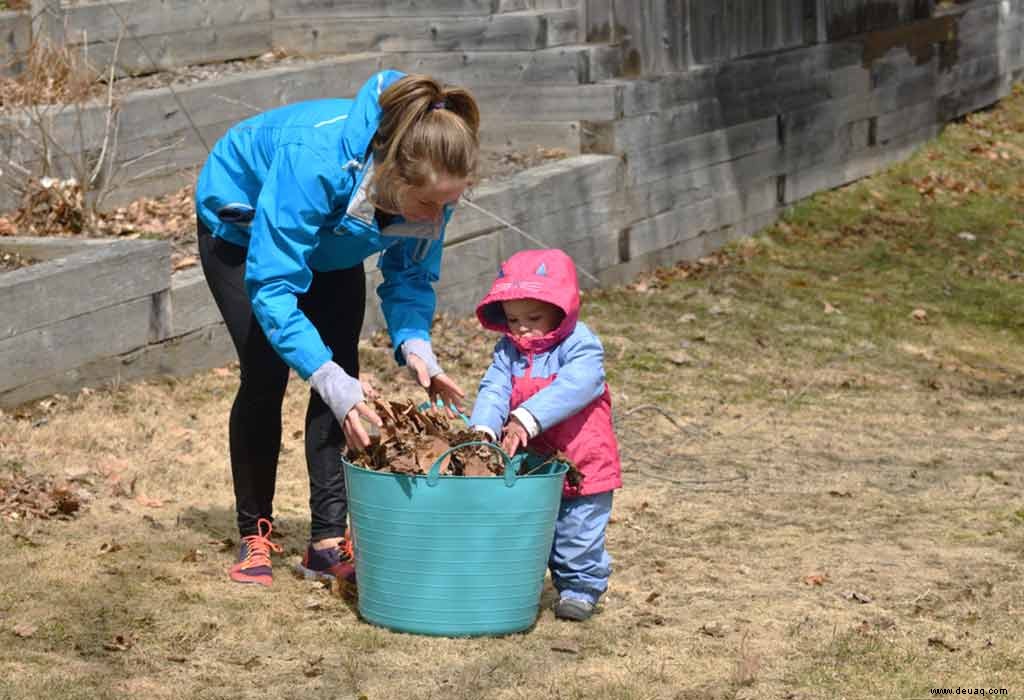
<point>364,116</point>
<point>547,275</point>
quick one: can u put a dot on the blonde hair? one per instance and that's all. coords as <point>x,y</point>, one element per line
<point>426,130</point>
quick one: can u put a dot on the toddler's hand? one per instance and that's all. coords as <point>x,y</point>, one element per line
<point>513,436</point>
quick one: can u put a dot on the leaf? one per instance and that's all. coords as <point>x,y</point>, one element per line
<point>119,643</point>
<point>187,261</point>
<point>680,358</point>
<point>144,500</point>
<point>815,579</point>
<point>712,629</point>
<point>24,630</point>
<point>941,643</point>
<point>566,646</point>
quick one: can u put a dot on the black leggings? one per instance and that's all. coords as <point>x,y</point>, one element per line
<point>335,304</point>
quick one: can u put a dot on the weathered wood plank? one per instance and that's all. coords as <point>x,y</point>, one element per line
<point>506,32</point>
<point>501,136</point>
<point>567,65</point>
<point>649,130</point>
<point>468,268</point>
<point>557,103</point>
<point>678,189</point>
<point>307,9</point>
<point>192,304</point>
<point>64,345</point>
<point>724,29</point>
<point>48,248</point>
<point>702,151</point>
<point>903,121</point>
<point>683,223</point>
<point>804,183</point>
<point>181,356</point>
<point>106,21</point>
<point>15,39</point>
<point>170,50</point>
<point>537,192</point>
<point>94,278</point>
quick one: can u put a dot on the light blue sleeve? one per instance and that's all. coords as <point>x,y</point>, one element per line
<point>580,380</point>
<point>295,198</point>
<point>494,395</point>
<point>407,296</point>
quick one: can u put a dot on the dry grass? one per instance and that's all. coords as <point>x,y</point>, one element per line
<point>52,75</point>
<point>819,504</point>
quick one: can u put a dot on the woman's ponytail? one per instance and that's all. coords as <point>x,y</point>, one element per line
<point>426,130</point>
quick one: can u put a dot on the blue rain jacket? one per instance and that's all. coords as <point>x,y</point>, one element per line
<point>290,186</point>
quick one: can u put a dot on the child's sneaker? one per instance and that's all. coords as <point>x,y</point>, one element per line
<point>332,563</point>
<point>253,564</point>
<point>568,608</point>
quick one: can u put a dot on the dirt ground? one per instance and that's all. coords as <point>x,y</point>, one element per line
<point>821,431</point>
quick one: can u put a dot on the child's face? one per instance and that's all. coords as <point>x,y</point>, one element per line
<point>530,318</point>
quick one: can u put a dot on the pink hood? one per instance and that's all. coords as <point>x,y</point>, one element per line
<point>546,274</point>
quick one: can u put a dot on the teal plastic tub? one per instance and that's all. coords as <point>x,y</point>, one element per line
<point>453,556</point>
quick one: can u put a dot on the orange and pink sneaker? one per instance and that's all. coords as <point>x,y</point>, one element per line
<point>253,564</point>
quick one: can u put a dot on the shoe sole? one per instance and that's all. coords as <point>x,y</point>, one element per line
<point>573,611</point>
<point>314,575</point>
<point>250,580</point>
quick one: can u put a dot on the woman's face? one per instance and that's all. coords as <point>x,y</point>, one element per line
<point>426,204</point>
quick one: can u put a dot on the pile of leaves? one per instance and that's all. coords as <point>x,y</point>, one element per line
<point>411,440</point>
<point>55,207</point>
<point>50,206</point>
<point>37,496</point>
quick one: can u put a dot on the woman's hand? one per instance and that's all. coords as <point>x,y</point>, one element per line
<point>344,395</point>
<point>513,436</point>
<point>352,426</point>
<point>440,386</point>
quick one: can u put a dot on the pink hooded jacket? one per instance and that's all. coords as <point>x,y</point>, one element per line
<point>558,378</point>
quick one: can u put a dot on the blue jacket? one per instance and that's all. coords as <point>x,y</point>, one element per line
<point>290,186</point>
<point>576,362</point>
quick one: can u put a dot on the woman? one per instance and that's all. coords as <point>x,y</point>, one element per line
<point>289,204</point>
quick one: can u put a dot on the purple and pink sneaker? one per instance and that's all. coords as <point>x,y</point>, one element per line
<point>332,563</point>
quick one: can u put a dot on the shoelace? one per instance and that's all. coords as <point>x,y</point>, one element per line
<point>345,546</point>
<point>258,547</point>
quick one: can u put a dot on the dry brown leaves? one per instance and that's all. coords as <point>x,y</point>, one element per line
<point>37,496</point>
<point>12,261</point>
<point>411,441</point>
<point>50,207</point>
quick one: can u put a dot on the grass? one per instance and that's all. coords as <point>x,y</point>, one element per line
<point>821,432</point>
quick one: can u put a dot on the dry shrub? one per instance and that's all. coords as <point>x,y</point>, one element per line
<point>52,75</point>
<point>51,206</point>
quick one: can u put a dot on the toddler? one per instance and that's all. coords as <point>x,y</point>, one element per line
<point>545,390</point>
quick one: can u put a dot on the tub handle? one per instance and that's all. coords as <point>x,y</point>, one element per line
<point>434,475</point>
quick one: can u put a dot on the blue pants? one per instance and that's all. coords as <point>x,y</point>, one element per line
<point>579,563</point>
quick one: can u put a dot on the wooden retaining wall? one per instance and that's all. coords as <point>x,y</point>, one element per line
<point>152,35</point>
<point>671,166</point>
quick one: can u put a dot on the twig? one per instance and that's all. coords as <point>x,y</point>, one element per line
<point>240,103</point>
